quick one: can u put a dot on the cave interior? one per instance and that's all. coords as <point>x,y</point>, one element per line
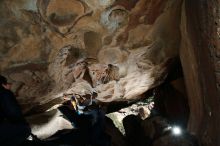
<point>152,64</point>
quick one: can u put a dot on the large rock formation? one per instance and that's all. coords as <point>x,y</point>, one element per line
<point>199,53</point>
<point>118,49</point>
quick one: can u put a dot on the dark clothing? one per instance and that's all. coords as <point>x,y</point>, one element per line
<point>9,108</point>
<point>13,127</point>
<point>13,134</point>
<point>90,124</point>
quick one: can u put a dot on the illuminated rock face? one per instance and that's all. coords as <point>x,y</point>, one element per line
<point>118,49</point>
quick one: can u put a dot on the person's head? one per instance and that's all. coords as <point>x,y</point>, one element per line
<point>4,83</point>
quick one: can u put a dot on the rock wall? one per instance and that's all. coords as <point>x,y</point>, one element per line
<point>118,49</point>
<point>199,56</point>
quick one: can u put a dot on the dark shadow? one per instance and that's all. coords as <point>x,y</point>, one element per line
<point>86,133</point>
<point>134,132</point>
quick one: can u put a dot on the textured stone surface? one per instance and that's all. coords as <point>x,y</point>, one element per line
<point>118,49</point>
<point>139,109</point>
<point>199,57</point>
<point>46,124</point>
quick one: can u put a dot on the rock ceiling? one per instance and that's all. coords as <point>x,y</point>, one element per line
<point>117,48</point>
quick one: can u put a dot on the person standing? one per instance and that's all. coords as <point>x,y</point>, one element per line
<point>14,130</point>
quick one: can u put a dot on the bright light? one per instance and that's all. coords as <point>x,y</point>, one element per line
<point>176,130</point>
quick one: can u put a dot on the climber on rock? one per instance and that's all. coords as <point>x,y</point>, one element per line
<point>87,107</point>
<point>88,118</point>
